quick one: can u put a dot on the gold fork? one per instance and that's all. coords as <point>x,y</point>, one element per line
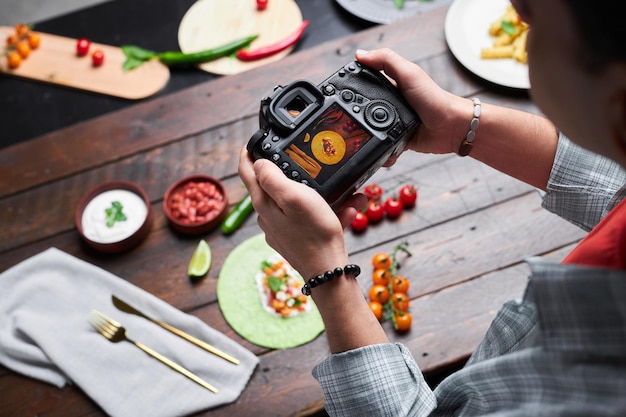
<point>114,332</point>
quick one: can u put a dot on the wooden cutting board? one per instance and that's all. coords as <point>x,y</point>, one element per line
<point>211,23</point>
<point>55,62</point>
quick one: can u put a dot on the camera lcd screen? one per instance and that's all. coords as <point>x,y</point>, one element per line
<point>328,143</point>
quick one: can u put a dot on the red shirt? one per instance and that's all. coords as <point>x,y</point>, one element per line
<point>605,245</point>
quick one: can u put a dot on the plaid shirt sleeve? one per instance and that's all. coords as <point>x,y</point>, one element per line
<point>583,186</point>
<point>377,380</point>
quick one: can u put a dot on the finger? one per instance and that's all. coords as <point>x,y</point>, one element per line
<point>393,64</point>
<point>246,171</point>
<point>348,209</point>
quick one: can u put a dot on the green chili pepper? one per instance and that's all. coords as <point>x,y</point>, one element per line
<point>135,56</point>
<point>237,216</point>
<point>176,58</point>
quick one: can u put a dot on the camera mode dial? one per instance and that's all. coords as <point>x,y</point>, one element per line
<point>379,114</point>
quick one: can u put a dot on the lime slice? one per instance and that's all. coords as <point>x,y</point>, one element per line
<point>200,261</point>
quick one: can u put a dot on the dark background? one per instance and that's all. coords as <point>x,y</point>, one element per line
<point>29,109</point>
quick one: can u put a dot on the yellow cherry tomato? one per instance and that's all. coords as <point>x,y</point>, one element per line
<point>381,277</point>
<point>402,321</point>
<point>377,309</point>
<point>381,261</point>
<point>15,59</point>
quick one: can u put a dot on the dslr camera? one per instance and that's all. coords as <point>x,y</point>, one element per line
<point>334,136</point>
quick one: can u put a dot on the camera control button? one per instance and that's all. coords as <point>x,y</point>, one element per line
<point>305,182</point>
<point>295,174</point>
<point>347,96</point>
<point>379,114</point>
<point>329,89</point>
<point>266,146</point>
<point>285,166</point>
<point>356,109</point>
<point>275,157</point>
<point>275,138</point>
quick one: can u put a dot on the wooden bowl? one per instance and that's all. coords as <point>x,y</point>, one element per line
<point>124,231</point>
<point>195,204</point>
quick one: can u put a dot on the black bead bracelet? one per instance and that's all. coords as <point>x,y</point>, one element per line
<point>350,269</point>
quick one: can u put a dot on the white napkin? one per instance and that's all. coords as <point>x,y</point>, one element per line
<point>44,333</point>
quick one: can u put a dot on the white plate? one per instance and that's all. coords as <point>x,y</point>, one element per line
<point>385,11</point>
<point>466,31</point>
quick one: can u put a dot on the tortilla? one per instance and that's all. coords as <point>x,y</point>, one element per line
<point>241,306</point>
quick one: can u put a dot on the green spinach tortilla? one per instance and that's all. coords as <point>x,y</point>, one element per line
<point>239,300</point>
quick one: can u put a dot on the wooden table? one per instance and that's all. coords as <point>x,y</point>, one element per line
<point>469,234</point>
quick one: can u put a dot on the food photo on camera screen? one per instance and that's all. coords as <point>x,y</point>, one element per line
<point>334,136</point>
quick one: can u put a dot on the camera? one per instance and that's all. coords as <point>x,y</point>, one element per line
<point>334,136</point>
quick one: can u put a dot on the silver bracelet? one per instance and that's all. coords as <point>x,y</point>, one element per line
<point>467,144</point>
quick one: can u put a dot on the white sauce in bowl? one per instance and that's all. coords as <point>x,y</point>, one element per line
<point>94,216</point>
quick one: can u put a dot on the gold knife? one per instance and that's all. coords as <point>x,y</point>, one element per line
<point>121,305</point>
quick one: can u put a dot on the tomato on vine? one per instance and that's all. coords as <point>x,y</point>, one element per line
<point>377,309</point>
<point>381,277</point>
<point>379,293</point>
<point>402,321</point>
<point>381,260</point>
<point>14,59</point>
<point>400,301</point>
<point>400,284</point>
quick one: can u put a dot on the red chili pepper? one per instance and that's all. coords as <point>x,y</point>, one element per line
<point>265,51</point>
<point>261,4</point>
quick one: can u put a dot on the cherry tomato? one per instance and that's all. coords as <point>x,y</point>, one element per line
<point>407,195</point>
<point>400,301</point>
<point>34,39</point>
<point>261,4</point>
<point>82,46</point>
<point>373,191</point>
<point>378,293</point>
<point>381,277</point>
<point>360,222</point>
<point>381,261</point>
<point>21,29</point>
<point>375,211</point>
<point>377,309</point>
<point>23,48</point>
<point>400,284</point>
<point>97,58</point>
<point>15,59</point>
<point>402,321</point>
<point>393,207</point>
<point>12,39</point>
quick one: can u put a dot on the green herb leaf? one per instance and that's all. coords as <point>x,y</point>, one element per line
<point>507,27</point>
<point>135,56</point>
<point>274,283</point>
<point>114,214</point>
<point>399,3</point>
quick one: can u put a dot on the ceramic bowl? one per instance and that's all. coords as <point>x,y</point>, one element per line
<point>195,204</point>
<point>114,216</point>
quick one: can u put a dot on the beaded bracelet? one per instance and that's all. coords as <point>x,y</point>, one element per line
<point>466,145</point>
<point>350,269</point>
